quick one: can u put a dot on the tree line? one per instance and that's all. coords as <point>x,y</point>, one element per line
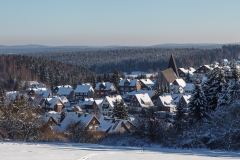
<point>144,59</point>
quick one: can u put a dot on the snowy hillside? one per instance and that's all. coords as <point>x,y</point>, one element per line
<point>77,151</point>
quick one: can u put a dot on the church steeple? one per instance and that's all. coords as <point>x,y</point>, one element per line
<point>172,64</point>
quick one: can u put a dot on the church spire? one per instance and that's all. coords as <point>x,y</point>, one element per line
<point>172,64</point>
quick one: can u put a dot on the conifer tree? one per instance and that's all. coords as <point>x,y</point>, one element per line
<point>197,105</point>
<point>179,112</point>
<point>212,87</point>
<point>115,78</point>
<point>119,110</point>
<point>233,91</point>
<point>93,81</point>
<point>188,78</point>
<point>2,97</point>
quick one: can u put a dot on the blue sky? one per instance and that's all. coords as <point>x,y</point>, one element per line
<point>123,22</point>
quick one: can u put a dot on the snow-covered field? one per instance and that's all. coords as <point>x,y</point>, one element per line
<point>76,151</point>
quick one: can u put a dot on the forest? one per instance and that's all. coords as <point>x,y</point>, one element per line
<point>15,69</point>
<point>143,59</point>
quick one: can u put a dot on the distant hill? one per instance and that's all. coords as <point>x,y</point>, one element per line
<point>34,48</point>
<point>46,49</point>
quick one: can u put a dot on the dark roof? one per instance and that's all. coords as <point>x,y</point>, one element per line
<point>172,64</point>
<point>169,75</point>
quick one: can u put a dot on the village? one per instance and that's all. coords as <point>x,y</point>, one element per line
<point>93,107</point>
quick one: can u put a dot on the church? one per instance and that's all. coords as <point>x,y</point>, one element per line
<point>167,76</point>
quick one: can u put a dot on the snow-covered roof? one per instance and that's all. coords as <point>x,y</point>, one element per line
<point>115,126</point>
<point>147,82</point>
<point>107,85</point>
<point>99,102</point>
<point>186,98</point>
<point>137,73</point>
<point>53,101</point>
<point>105,124</point>
<point>144,100</point>
<point>208,66</point>
<point>180,82</point>
<point>44,93</point>
<point>131,81</point>
<point>64,91</point>
<point>32,82</point>
<point>64,99</point>
<point>151,93</point>
<point>55,115</point>
<point>112,99</point>
<point>12,94</point>
<point>84,88</point>
<point>166,99</point>
<point>37,85</point>
<point>65,86</point>
<point>37,89</point>
<point>88,101</point>
<point>189,70</point>
<point>75,118</point>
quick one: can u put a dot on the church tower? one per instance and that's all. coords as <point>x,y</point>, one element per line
<point>172,64</point>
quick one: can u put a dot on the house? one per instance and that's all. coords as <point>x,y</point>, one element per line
<point>128,85</point>
<point>146,84</point>
<point>44,92</point>
<point>188,89</point>
<point>202,70</point>
<point>103,89</point>
<point>108,103</point>
<point>55,90</point>
<point>99,103</point>
<point>112,126</point>
<point>68,92</point>
<point>89,105</point>
<point>118,127</point>
<point>165,103</point>
<point>186,73</point>
<point>178,86</point>
<point>52,104</point>
<point>84,91</point>
<point>51,118</point>
<point>152,94</point>
<point>184,101</point>
<point>140,101</point>
<point>89,121</point>
<point>65,101</point>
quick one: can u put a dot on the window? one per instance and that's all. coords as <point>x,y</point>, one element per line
<point>90,127</point>
<point>93,121</point>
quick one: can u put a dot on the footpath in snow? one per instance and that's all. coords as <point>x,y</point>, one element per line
<point>78,151</point>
